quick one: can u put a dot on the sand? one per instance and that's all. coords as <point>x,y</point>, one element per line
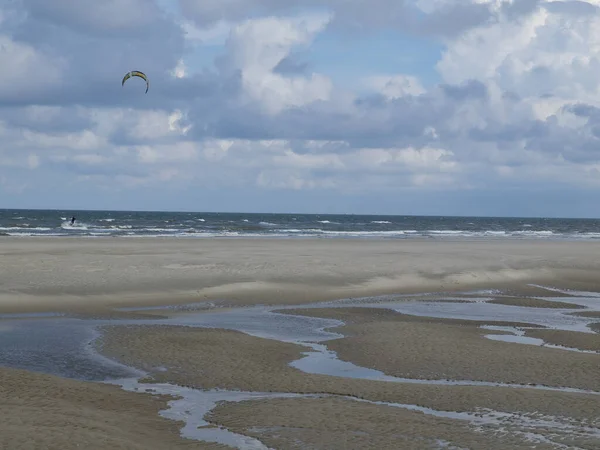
<point>89,277</point>
<point>404,347</point>
<point>209,358</point>
<point>595,327</point>
<point>71,273</point>
<point>571,339</point>
<point>593,314</point>
<point>42,411</point>
<point>343,424</point>
<point>533,303</point>
<point>212,358</point>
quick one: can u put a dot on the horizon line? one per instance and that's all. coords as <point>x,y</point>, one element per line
<point>300,213</point>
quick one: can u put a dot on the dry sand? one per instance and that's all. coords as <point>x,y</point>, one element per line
<point>46,273</point>
<point>41,411</point>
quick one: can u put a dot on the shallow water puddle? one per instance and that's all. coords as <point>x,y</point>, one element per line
<point>518,337</point>
<point>554,318</point>
<point>192,405</point>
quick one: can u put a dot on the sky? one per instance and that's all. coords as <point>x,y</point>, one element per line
<point>433,107</point>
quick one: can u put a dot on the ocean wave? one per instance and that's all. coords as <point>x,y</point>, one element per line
<point>25,228</point>
<point>83,228</point>
<point>66,225</point>
<point>203,224</point>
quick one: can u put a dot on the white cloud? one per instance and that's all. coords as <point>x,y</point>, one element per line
<point>105,16</point>
<point>180,70</point>
<point>33,161</point>
<point>395,86</point>
<point>20,64</point>
<point>215,34</point>
<point>180,152</point>
<point>257,46</point>
<point>546,53</point>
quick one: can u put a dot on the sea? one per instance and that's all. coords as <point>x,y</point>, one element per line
<point>212,224</point>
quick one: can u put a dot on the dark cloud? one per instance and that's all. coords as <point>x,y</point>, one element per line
<point>290,66</point>
<point>375,122</point>
<point>46,120</point>
<point>105,19</point>
<point>573,7</point>
<point>210,11</point>
<point>516,10</point>
<point>471,89</point>
<point>512,132</point>
<point>452,20</point>
<point>365,15</point>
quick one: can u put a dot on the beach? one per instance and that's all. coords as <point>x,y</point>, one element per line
<point>80,274</point>
<point>411,320</point>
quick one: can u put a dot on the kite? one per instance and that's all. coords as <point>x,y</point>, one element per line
<point>136,73</point>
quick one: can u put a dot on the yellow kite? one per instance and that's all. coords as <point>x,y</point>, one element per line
<point>136,73</point>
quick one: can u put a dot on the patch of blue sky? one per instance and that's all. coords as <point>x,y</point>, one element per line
<point>203,57</point>
<point>348,59</point>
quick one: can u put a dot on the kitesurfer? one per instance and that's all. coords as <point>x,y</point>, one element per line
<point>72,220</point>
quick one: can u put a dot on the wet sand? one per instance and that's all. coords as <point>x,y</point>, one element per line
<point>533,303</point>
<point>571,339</point>
<point>343,424</point>
<point>427,348</point>
<point>42,411</point>
<point>210,358</point>
<point>43,274</point>
<point>594,314</point>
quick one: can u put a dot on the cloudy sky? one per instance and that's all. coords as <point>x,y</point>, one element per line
<point>444,107</point>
